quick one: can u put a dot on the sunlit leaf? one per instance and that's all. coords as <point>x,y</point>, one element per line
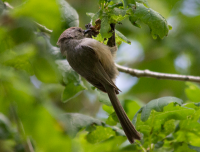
<point>100,134</point>
<point>157,105</point>
<point>108,109</point>
<point>121,37</point>
<point>192,92</point>
<point>105,27</point>
<point>110,121</point>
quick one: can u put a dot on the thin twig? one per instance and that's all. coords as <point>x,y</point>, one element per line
<point>135,72</point>
<point>151,74</point>
<point>8,5</point>
<point>28,147</point>
<point>43,28</point>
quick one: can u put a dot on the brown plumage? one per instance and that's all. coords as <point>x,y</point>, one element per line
<point>94,61</point>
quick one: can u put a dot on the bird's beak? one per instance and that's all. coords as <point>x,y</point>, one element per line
<point>86,31</point>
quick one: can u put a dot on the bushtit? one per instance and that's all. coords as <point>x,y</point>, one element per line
<point>94,61</point>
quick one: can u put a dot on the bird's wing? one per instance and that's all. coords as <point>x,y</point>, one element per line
<point>90,63</point>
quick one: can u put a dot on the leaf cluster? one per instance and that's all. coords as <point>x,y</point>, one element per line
<point>34,79</point>
<point>114,11</point>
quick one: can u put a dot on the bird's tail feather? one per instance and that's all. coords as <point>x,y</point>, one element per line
<point>126,124</point>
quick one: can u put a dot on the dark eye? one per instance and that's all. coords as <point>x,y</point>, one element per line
<point>79,30</point>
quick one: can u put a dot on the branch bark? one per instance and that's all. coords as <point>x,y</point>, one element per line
<point>157,75</point>
<point>134,72</point>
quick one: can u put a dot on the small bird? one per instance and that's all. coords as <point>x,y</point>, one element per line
<point>95,62</point>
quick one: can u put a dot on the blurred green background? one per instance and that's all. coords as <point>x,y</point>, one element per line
<point>31,82</point>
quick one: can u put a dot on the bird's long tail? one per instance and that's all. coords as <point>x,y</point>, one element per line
<point>126,124</point>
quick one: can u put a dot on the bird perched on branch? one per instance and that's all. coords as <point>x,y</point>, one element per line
<point>95,62</point>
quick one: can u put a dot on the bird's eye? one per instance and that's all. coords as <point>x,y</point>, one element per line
<point>79,30</point>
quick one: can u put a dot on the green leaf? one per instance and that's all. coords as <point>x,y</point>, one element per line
<point>5,128</point>
<point>169,126</point>
<point>105,27</point>
<point>173,111</point>
<point>131,107</point>
<point>197,149</point>
<point>117,4</point>
<point>101,2</point>
<point>157,120</point>
<point>145,2</point>
<point>68,74</point>
<point>114,117</point>
<point>117,15</point>
<point>100,134</point>
<point>103,98</point>
<point>91,15</point>
<point>20,58</point>
<point>112,144</point>
<point>189,130</point>
<point>184,148</point>
<point>2,7</point>
<point>156,22</point>
<point>68,14</point>
<point>134,22</point>
<point>108,109</point>
<point>121,37</point>
<point>100,39</point>
<point>47,12</point>
<point>74,85</point>
<point>192,92</point>
<point>125,3</point>
<point>170,27</point>
<point>72,91</point>
<point>159,144</point>
<point>45,69</point>
<point>110,121</point>
<point>55,51</point>
<point>74,122</point>
<point>97,15</point>
<point>40,124</point>
<point>69,18</point>
<point>18,86</point>
<point>158,105</point>
<point>22,31</point>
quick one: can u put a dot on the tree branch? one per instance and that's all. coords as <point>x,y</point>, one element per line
<point>151,74</point>
<point>43,28</point>
<point>134,72</point>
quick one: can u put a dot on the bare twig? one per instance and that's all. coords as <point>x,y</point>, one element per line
<point>28,145</point>
<point>8,5</point>
<point>43,28</point>
<point>134,72</point>
<point>151,74</point>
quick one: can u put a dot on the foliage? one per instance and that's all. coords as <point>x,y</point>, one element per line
<point>43,103</point>
<point>114,12</point>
